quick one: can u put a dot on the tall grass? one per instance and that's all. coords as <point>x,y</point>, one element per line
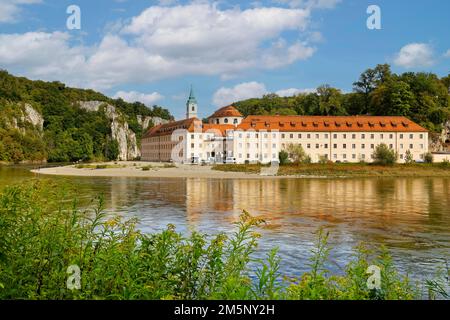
<point>42,233</point>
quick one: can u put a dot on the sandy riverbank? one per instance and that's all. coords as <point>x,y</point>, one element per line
<point>156,170</point>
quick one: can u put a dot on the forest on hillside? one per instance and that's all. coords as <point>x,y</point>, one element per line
<point>422,97</point>
<point>69,133</point>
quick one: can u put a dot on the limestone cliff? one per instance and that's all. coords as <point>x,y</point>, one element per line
<point>441,142</point>
<point>120,131</point>
<point>144,122</point>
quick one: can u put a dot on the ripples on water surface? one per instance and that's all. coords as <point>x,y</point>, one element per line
<point>410,216</point>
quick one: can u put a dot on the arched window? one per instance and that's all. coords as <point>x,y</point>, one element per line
<point>226,120</point>
<point>235,121</point>
<point>217,121</point>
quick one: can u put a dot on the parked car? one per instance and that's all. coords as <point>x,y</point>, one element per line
<point>230,160</point>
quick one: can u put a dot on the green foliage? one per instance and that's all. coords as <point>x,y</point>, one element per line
<point>383,155</point>
<point>428,157</point>
<point>70,133</point>
<point>42,234</point>
<point>297,154</point>
<point>409,157</point>
<point>283,157</point>
<point>422,97</point>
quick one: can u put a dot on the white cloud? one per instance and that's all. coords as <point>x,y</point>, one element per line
<point>164,42</point>
<point>10,9</point>
<point>247,90</point>
<point>415,55</point>
<point>133,96</point>
<point>310,4</point>
<point>225,96</point>
<point>293,92</point>
<point>447,54</point>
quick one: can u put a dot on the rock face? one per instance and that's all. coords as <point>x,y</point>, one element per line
<point>441,142</point>
<point>33,117</point>
<point>120,131</point>
<point>144,122</point>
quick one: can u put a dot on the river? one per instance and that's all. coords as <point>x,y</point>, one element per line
<point>410,216</point>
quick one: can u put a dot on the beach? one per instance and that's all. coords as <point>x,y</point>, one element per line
<point>144,170</point>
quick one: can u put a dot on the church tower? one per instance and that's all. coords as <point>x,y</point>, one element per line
<point>191,106</point>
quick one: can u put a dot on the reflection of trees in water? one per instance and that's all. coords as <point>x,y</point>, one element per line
<point>439,206</point>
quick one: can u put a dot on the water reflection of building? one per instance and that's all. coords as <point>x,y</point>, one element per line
<point>385,203</point>
<point>388,201</point>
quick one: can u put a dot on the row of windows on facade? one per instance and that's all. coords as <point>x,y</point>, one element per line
<point>318,136</point>
<point>343,156</point>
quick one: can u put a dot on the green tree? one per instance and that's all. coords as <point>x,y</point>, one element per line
<point>283,156</point>
<point>297,153</point>
<point>409,159</point>
<point>383,155</point>
<point>112,150</point>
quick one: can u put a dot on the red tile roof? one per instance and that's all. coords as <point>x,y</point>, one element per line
<point>331,123</point>
<point>228,111</point>
<point>297,124</point>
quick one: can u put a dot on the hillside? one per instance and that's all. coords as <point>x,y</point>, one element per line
<point>42,121</point>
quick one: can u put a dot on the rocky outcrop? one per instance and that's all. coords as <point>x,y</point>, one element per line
<point>120,131</point>
<point>441,142</point>
<point>144,122</point>
<point>33,117</point>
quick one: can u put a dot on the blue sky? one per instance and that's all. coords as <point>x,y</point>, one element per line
<point>229,50</point>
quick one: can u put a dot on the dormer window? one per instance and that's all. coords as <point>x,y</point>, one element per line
<point>360,124</point>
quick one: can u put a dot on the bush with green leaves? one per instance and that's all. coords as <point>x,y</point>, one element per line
<point>383,155</point>
<point>283,157</point>
<point>428,157</point>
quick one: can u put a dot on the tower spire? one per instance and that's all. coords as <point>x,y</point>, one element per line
<point>191,105</point>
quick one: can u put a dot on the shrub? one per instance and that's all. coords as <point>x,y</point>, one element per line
<point>428,157</point>
<point>283,156</point>
<point>383,155</point>
<point>409,157</point>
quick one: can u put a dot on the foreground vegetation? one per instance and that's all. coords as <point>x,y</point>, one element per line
<point>346,169</point>
<point>42,233</point>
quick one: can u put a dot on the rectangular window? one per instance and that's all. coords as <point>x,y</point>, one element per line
<point>344,146</point>
<point>411,146</point>
<point>292,136</point>
<point>363,136</point>
<point>344,136</point>
<point>391,146</point>
<point>353,146</point>
<point>353,136</point>
<point>326,136</point>
<point>421,136</point>
<point>335,146</point>
<point>308,136</point>
<point>317,136</point>
<point>372,136</point>
<point>372,146</point>
<point>317,146</point>
<point>299,136</point>
<point>411,136</point>
<point>391,136</point>
<point>401,136</point>
<point>308,146</point>
<point>381,136</point>
<point>335,136</point>
<point>283,136</point>
<point>344,156</point>
<point>326,146</point>
<point>363,146</point>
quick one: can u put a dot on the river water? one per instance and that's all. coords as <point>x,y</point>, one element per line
<point>410,216</point>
